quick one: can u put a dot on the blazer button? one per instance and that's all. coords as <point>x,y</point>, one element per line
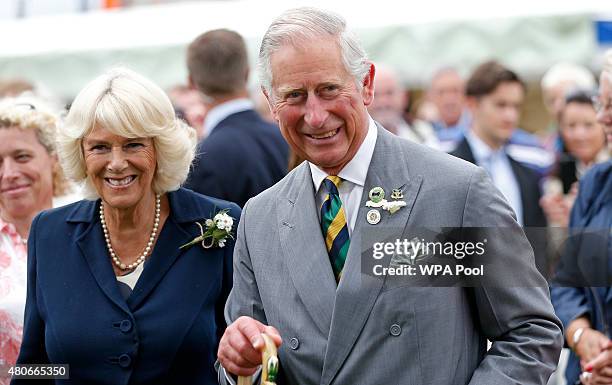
<point>395,330</point>
<point>125,326</point>
<point>125,361</point>
<point>294,343</point>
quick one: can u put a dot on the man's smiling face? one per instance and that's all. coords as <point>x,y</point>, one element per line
<point>321,111</point>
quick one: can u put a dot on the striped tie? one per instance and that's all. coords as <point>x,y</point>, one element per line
<point>333,224</point>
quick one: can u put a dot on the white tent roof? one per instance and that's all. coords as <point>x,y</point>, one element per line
<point>178,23</point>
<point>65,51</point>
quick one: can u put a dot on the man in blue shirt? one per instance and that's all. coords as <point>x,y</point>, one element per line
<point>494,96</point>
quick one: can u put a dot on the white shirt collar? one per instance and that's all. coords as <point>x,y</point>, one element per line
<point>356,170</point>
<point>216,114</point>
<point>482,152</point>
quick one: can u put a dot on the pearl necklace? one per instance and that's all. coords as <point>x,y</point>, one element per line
<point>147,249</point>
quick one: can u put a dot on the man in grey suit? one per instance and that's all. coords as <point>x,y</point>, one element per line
<point>298,265</point>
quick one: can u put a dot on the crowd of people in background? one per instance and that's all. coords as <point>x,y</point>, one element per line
<point>560,152</point>
<point>240,153</point>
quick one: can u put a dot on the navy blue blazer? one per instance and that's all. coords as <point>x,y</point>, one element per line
<point>534,220</point>
<point>168,329</point>
<point>528,181</point>
<point>582,285</point>
<point>242,156</point>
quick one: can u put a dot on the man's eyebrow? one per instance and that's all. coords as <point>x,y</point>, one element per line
<point>19,151</point>
<point>329,83</point>
<point>287,89</point>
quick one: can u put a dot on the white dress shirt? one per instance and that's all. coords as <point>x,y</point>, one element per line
<point>216,114</point>
<point>497,164</point>
<point>353,178</point>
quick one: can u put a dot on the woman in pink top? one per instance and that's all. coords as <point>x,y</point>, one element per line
<point>29,178</point>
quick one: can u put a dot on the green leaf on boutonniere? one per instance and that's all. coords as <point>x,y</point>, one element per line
<point>218,229</point>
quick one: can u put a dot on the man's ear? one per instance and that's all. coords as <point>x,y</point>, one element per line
<point>367,91</point>
<point>270,104</point>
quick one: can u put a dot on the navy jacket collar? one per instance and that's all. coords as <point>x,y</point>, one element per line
<point>186,206</point>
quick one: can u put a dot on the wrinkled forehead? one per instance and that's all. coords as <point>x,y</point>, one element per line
<point>447,80</point>
<point>307,44</point>
<point>16,140</point>
<point>296,63</point>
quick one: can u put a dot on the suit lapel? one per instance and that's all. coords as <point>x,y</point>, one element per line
<point>463,151</point>
<point>183,209</point>
<point>92,246</point>
<point>357,292</point>
<point>524,184</point>
<point>164,254</point>
<point>303,245</point>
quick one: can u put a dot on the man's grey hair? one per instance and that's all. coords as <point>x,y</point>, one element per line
<point>298,25</point>
<point>580,76</point>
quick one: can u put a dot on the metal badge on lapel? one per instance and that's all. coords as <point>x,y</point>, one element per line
<point>393,206</point>
<point>397,193</point>
<point>377,194</point>
<point>377,200</point>
<point>373,217</point>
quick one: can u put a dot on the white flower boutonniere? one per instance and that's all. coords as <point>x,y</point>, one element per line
<point>218,229</point>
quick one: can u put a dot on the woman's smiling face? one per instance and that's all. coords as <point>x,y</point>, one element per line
<point>26,173</point>
<point>121,169</point>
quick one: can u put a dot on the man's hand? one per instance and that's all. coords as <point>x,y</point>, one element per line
<point>599,370</point>
<point>590,345</point>
<point>241,344</point>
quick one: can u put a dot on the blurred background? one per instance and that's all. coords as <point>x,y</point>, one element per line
<point>52,48</point>
<point>58,45</point>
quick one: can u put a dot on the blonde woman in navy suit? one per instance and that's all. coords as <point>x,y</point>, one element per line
<point>110,291</point>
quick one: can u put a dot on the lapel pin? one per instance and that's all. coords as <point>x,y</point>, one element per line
<point>373,217</point>
<point>377,197</point>
<point>397,193</point>
<point>393,206</point>
<point>377,200</point>
<point>377,194</point>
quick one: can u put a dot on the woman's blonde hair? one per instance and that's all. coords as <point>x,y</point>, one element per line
<point>28,113</point>
<point>127,104</point>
